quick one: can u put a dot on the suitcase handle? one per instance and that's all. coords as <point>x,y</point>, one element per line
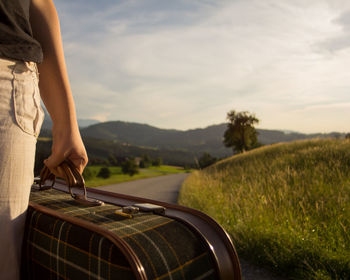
<point>73,179</point>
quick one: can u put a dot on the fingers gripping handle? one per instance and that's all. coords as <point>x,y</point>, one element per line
<point>73,179</point>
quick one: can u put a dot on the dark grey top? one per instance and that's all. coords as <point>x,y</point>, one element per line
<point>16,37</point>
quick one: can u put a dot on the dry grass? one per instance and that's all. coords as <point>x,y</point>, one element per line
<point>286,206</point>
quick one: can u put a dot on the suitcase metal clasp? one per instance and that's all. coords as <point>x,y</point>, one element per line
<point>149,207</point>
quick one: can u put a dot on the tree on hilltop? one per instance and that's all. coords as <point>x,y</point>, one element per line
<point>241,134</point>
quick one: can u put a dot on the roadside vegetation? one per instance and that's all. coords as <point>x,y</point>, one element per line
<point>286,206</point>
<point>98,175</point>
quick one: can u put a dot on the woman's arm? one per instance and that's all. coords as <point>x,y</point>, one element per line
<point>55,89</point>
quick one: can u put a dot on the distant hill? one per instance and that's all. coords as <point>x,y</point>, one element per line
<point>126,139</point>
<point>275,136</point>
<point>197,141</point>
<point>194,140</point>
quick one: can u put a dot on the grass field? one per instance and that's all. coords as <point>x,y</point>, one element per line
<point>117,176</point>
<point>286,206</point>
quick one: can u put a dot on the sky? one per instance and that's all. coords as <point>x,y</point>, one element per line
<point>183,64</point>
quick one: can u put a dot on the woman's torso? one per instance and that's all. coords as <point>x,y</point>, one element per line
<point>16,38</point>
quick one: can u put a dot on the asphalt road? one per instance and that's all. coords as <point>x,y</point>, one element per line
<point>163,188</point>
<point>166,188</point>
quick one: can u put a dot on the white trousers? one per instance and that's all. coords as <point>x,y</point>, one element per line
<point>21,117</point>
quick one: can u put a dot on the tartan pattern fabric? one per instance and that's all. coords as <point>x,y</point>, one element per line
<point>57,249</point>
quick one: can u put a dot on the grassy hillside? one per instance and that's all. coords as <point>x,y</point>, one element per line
<point>286,206</point>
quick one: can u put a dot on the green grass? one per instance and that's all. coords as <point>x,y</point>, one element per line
<point>286,206</point>
<point>118,177</point>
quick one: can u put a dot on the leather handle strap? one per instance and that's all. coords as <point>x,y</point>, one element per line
<point>73,179</point>
<point>45,174</point>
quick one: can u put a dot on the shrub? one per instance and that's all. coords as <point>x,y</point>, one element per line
<point>129,167</point>
<point>104,173</point>
<point>88,174</point>
<point>145,161</point>
<point>157,162</point>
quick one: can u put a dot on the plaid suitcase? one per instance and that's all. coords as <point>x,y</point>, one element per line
<point>125,238</point>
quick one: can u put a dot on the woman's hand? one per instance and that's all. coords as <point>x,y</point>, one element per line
<point>66,144</point>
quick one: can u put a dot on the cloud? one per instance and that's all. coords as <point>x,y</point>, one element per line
<point>184,64</point>
<point>340,39</point>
